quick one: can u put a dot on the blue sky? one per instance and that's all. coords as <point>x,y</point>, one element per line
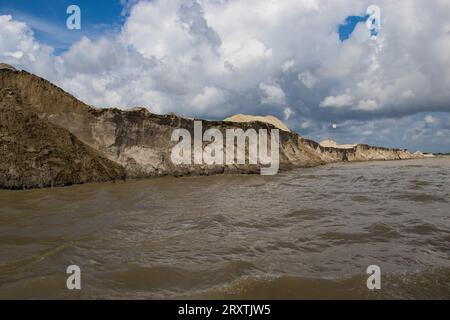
<point>99,17</point>
<point>312,64</point>
<point>348,26</point>
<point>48,18</point>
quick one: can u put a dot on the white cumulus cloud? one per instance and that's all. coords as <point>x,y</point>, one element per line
<point>272,94</point>
<point>340,101</point>
<point>211,58</point>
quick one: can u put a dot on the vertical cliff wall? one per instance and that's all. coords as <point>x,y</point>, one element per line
<point>78,143</point>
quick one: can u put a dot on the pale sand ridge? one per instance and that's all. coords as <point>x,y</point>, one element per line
<point>267,119</point>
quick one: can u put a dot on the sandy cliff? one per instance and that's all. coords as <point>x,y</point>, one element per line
<point>48,137</point>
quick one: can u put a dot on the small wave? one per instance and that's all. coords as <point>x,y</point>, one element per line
<point>425,198</point>
<point>431,284</point>
<point>361,198</point>
<point>209,221</point>
<point>173,279</point>
<point>423,229</point>
<point>359,179</point>
<point>306,214</point>
<point>378,232</point>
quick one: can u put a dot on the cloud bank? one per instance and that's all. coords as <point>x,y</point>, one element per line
<point>214,58</point>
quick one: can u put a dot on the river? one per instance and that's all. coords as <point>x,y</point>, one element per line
<point>306,233</point>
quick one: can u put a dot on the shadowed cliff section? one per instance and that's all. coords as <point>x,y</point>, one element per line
<point>36,153</point>
<point>49,138</point>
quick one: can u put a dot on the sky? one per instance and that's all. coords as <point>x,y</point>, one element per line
<point>312,63</point>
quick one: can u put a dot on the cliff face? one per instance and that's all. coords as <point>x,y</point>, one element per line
<point>50,138</point>
<point>37,153</point>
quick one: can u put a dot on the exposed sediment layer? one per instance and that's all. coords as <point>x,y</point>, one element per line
<point>36,153</point>
<point>49,138</point>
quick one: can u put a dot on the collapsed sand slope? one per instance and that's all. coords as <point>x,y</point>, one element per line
<point>266,119</point>
<point>136,143</point>
<point>333,144</point>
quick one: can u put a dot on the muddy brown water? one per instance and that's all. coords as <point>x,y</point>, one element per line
<point>307,233</point>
